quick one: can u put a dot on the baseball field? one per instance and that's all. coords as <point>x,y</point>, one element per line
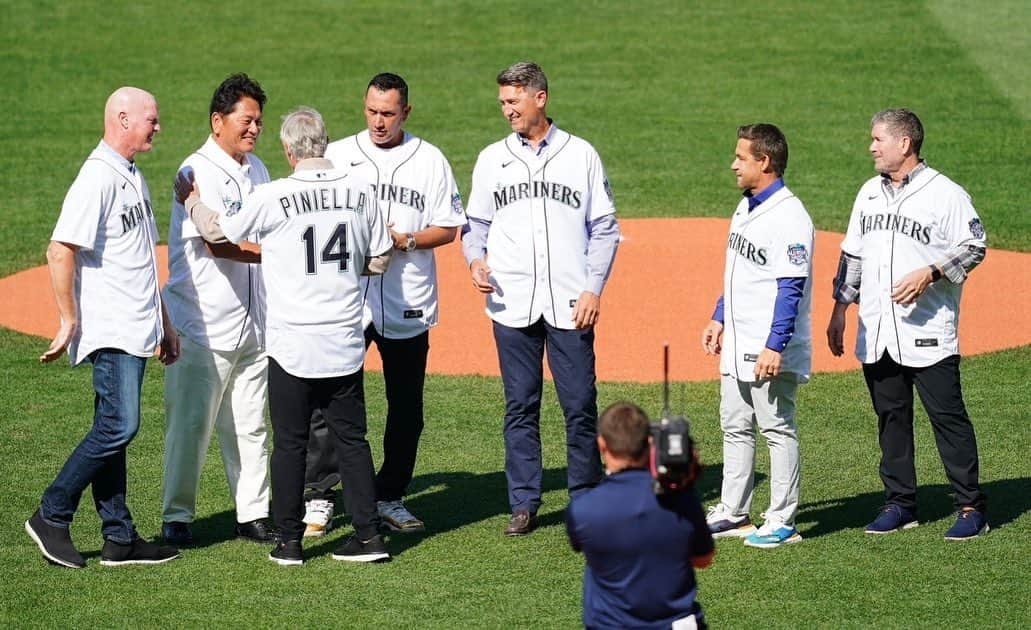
<point>659,89</point>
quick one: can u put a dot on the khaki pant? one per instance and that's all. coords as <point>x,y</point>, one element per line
<point>770,406</point>
<point>209,390</point>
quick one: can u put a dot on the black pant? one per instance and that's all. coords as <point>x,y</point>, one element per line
<point>404,374</point>
<point>341,400</point>
<point>891,388</point>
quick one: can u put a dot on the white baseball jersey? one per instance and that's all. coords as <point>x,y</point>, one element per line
<point>897,234</point>
<point>107,214</point>
<point>415,188</point>
<point>539,208</point>
<point>316,227</point>
<point>773,241</point>
<point>215,302</point>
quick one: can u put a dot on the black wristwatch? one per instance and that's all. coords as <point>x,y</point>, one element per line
<point>936,273</point>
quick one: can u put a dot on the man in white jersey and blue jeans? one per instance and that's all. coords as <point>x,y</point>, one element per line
<point>104,275</point>
<point>419,199</point>
<point>216,300</point>
<point>761,330</point>
<point>912,240</point>
<point>319,229</point>
<point>540,243</point>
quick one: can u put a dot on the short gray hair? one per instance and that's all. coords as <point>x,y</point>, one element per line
<point>902,123</point>
<point>304,133</point>
<point>524,74</point>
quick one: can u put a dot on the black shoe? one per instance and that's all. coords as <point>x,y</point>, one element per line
<point>54,542</point>
<point>139,551</point>
<point>521,524</point>
<point>177,533</point>
<point>355,550</point>
<point>258,530</point>
<point>286,553</point>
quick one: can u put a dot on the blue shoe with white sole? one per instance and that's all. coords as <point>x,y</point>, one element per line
<point>773,535</point>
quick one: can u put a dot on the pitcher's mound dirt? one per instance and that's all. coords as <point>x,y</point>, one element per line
<point>666,279</point>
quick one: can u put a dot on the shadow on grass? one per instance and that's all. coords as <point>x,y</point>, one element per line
<point>1007,500</point>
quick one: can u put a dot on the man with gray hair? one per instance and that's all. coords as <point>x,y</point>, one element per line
<point>912,240</point>
<point>540,243</point>
<point>320,230</point>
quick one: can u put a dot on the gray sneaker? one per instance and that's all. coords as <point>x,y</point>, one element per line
<point>397,518</point>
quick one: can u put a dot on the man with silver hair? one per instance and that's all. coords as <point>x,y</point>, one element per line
<point>320,230</point>
<point>912,240</point>
<point>540,243</point>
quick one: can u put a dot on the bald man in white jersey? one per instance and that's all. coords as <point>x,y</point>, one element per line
<point>912,240</point>
<point>540,243</point>
<point>320,229</point>
<point>419,198</point>
<point>104,275</point>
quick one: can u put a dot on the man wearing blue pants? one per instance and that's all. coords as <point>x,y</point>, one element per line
<point>541,212</point>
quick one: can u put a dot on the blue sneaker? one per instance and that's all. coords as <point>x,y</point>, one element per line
<point>891,519</point>
<point>723,524</point>
<point>970,523</point>
<point>772,535</point>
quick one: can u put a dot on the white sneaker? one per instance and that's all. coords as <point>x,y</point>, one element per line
<point>396,517</point>
<point>318,515</point>
<point>723,524</point>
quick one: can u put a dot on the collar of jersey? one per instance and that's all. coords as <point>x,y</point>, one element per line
<point>216,154</point>
<point>118,158</point>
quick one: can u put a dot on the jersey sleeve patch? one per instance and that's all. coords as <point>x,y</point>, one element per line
<point>456,203</point>
<point>797,254</point>
<point>976,228</point>
<point>608,190</point>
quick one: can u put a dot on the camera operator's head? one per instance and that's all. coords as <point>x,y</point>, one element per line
<point>623,432</point>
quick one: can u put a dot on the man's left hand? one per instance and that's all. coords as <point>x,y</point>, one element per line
<point>767,365</point>
<point>585,313</point>
<point>911,286</point>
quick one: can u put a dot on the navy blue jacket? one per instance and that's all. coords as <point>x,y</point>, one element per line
<point>638,548</point>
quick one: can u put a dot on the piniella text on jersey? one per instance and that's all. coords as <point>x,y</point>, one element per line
<point>322,200</point>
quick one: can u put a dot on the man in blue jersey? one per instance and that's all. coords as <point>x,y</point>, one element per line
<point>641,549</point>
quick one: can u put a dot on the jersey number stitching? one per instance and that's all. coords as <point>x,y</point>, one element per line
<point>334,251</point>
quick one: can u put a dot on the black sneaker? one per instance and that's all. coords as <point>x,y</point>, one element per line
<point>54,542</point>
<point>177,533</point>
<point>286,553</point>
<point>258,530</point>
<point>355,550</point>
<point>139,551</point>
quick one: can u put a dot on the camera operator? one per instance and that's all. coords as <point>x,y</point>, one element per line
<point>641,549</point>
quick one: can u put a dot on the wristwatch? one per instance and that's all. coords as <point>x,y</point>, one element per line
<point>410,243</point>
<point>936,273</point>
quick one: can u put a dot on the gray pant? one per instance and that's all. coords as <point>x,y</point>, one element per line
<point>770,405</point>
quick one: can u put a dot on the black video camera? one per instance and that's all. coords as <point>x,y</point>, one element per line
<point>673,457</point>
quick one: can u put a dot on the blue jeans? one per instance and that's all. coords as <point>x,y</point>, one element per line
<point>99,460</point>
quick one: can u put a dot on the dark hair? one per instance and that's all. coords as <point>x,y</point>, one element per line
<point>902,123</point>
<point>234,88</point>
<point>625,428</point>
<point>767,140</point>
<point>385,81</point>
<point>524,74</point>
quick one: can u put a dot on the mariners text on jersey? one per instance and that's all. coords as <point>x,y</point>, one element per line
<point>537,190</point>
<point>321,200</point>
<point>402,195</point>
<point>896,223</point>
<point>745,248</point>
<point>132,215</point>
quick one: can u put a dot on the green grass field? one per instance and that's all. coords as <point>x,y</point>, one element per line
<point>658,88</point>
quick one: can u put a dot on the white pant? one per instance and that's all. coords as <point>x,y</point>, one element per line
<point>209,389</point>
<point>770,404</point>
